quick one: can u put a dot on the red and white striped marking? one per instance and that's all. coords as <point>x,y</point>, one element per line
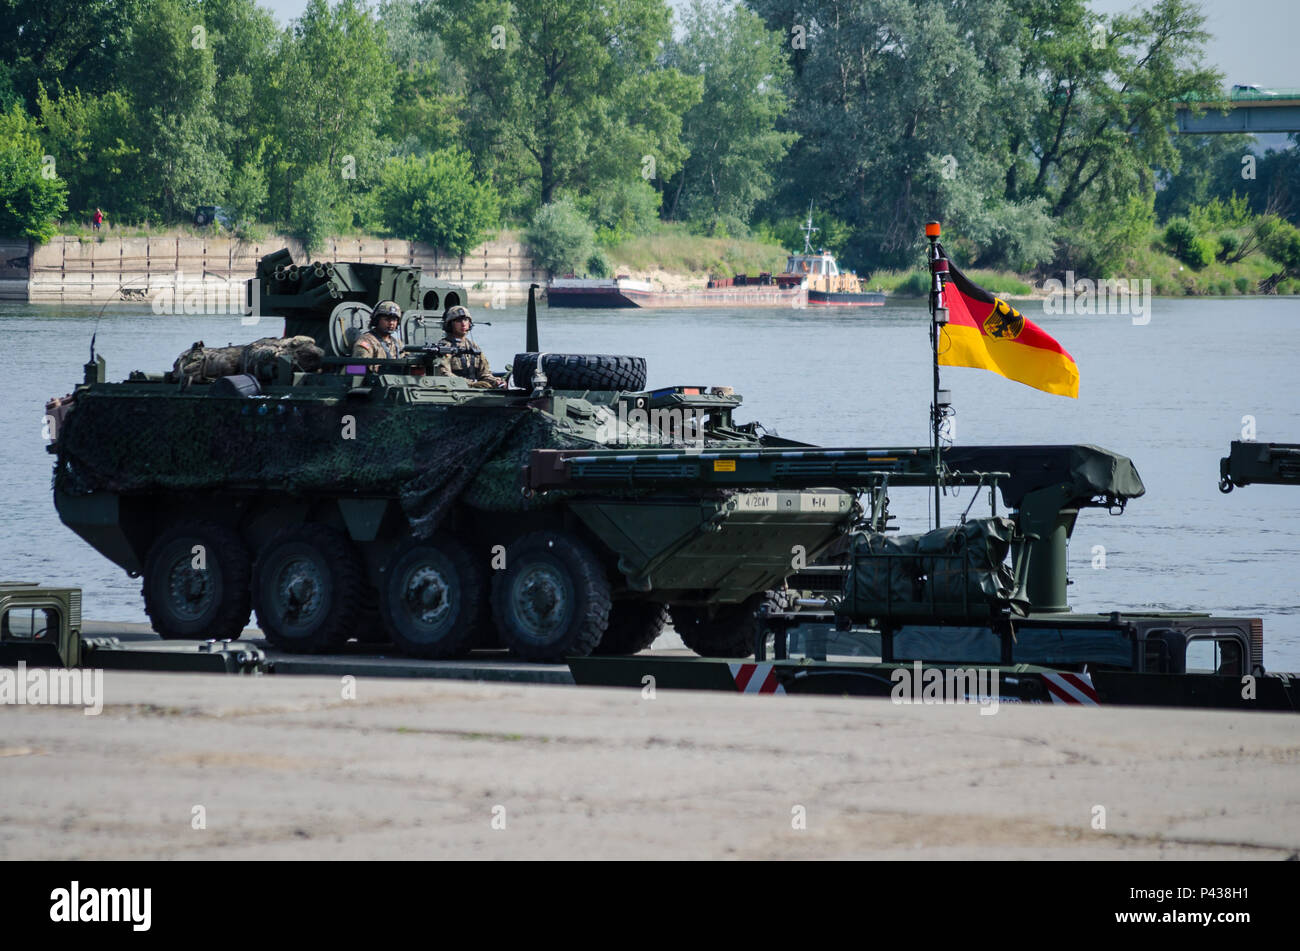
<point>1071,688</point>
<point>756,678</point>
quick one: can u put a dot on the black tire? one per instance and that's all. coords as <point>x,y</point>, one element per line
<point>724,631</point>
<point>633,626</point>
<point>552,600</point>
<point>212,600</point>
<point>432,603</point>
<point>370,623</point>
<point>308,589</point>
<point>582,371</point>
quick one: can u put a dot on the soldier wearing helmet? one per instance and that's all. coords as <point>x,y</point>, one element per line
<point>380,342</point>
<point>465,359</point>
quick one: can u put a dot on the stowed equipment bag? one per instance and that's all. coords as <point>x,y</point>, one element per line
<point>205,364</point>
<point>957,573</point>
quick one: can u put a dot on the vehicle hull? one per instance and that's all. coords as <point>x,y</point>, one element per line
<point>827,299</point>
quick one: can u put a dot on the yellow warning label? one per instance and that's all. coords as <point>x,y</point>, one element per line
<point>724,465</point>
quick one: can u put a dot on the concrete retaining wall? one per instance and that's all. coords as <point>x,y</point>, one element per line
<point>15,256</point>
<point>93,271</point>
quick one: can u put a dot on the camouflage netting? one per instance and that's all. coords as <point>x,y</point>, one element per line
<point>426,456</point>
<point>206,364</point>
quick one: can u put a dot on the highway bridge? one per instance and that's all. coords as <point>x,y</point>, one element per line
<point>1247,109</point>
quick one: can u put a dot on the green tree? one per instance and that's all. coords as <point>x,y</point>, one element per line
<point>560,237</point>
<point>30,203</point>
<point>330,85</point>
<point>78,43</point>
<point>428,97</point>
<point>434,198</point>
<point>882,88</point>
<point>567,95</point>
<point>319,209</point>
<point>242,37</point>
<point>1104,236</point>
<point>424,117</point>
<point>621,210</point>
<point>8,94</point>
<point>90,138</point>
<point>248,192</point>
<point>1024,123</point>
<point>1209,167</point>
<point>731,132</point>
<point>169,75</point>
<point>1110,88</point>
<point>1280,240</point>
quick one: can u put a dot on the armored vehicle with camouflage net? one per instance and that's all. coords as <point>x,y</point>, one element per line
<point>392,501</point>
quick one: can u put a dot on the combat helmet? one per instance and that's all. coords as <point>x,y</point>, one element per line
<point>454,313</point>
<point>385,308</point>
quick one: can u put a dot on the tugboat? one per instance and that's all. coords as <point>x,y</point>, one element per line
<point>827,286</point>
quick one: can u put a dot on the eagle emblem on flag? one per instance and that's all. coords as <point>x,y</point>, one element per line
<point>1004,321</point>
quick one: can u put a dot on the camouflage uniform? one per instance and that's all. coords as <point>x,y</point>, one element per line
<point>468,361</point>
<point>371,345</point>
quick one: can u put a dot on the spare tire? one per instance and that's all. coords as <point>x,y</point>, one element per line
<point>582,371</point>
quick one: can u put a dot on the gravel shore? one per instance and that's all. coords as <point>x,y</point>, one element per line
<point>209,767</point>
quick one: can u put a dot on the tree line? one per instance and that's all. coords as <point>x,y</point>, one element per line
<point>1040,131</point>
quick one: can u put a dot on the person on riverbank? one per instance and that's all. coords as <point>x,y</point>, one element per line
<point>380,342</point>
<point>98,218</point>
<point>468,360</point>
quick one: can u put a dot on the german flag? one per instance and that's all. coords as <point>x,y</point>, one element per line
<point>989,334</point>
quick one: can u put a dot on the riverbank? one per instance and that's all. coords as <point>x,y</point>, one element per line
<point>133,265</point>
<point>110,268</point>
<point>450,770</point>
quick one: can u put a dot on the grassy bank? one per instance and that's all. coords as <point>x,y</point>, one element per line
<point>1171,278</point>
<point>673,248</point>
<point>915,283</point>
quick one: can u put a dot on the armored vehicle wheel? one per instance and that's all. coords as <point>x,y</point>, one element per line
<point>370,624</point>
<point>727,632</point>
<point>308,589</point>
<point>633,626</point>
<point>552,600</point>
<point>196,582</point>
<point>582,371</point>
<point>433,596</point>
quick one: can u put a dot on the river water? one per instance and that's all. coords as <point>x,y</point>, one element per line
<point>1171,394</point>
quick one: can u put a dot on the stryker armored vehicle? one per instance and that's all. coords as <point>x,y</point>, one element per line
<point>386,501</point>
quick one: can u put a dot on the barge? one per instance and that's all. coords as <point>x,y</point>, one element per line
<point>621,292</point>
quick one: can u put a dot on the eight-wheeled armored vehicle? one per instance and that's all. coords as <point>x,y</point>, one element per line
<point>389,501</point>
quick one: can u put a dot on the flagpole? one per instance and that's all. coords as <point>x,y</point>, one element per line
<point>938,319</point>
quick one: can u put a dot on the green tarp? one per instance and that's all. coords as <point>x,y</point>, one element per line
<point>955,573</point>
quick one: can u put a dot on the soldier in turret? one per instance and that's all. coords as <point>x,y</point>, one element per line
<point>380,342</point>
<point>468,360</point>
